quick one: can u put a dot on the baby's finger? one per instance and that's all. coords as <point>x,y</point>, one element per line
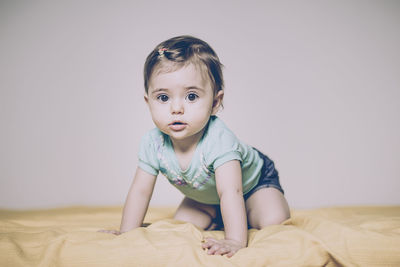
<point>114,232</point>
<point>230,254</point>
<point>208,242</point>
<point>210,239</point>
<point>213,249</point>
<point>207,245</point>
<point>222,251</point>
<point>216,249</point>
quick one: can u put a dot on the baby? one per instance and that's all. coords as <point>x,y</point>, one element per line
<point>226,182</point>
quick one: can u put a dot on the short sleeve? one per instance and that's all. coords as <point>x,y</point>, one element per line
<point>225,147</point>
<point>231,155</point>
<point>148,160</point>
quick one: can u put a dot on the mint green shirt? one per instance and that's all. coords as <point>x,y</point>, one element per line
<point>217,146</point>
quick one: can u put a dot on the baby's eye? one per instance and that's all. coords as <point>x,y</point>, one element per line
<point>192,97</point>
<point>163,98</point>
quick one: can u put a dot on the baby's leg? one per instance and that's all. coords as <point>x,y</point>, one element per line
<point>267,206</point>
<point>196,213</point>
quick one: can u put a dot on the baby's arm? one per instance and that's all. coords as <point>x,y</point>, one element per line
<point>229,186</point>
<point>137,202</point>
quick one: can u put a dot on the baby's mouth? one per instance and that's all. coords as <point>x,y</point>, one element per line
<point>177,125</point>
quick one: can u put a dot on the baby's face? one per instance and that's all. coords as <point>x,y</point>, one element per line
<point>181,102</point>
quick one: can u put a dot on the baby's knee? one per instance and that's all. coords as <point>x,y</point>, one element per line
<point>199,219</point>
<point>271,219</point>
<point>278,219</point>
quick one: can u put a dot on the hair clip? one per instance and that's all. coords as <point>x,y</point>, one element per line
<point>161,51</point>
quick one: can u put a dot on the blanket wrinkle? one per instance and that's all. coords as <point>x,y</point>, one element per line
<point>337,236</point>
<point>303,224</point>
<point>307,246</point>
<point>53,252</point>
<point>317,227</point>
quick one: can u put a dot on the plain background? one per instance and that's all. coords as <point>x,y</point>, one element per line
<point>313,84</point>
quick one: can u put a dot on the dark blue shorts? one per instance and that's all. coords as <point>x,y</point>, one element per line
<point>269,177</point>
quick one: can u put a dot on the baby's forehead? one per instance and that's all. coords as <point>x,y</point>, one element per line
<point>168,67</point>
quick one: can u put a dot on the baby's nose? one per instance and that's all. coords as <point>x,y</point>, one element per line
<point>177,107</point>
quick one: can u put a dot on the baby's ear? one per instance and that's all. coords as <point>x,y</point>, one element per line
<point>217,104</point>
<point>146,98</point>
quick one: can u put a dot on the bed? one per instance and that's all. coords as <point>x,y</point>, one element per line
<point>341,236</point>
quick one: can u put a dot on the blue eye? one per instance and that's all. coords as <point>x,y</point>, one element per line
<point>163,98</point>
<point>192,97</point>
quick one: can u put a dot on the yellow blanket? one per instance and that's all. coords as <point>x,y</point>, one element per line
<point>351,236</point>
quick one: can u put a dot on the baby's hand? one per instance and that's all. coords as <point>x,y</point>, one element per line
<point>226,247</point>
<point>114,232</point>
